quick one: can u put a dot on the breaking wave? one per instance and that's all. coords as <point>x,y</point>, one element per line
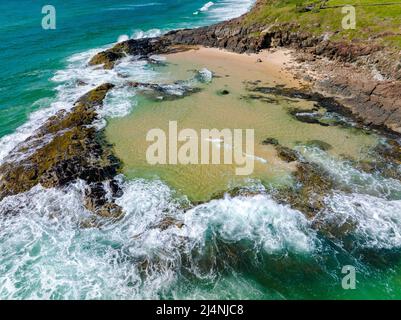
<point>49,248</point>
<point>373,222</point>
<point>78,78</point>
<point>348,176</point>
<point>46,254</point>
<point>370,210</point>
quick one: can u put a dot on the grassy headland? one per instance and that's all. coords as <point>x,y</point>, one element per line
<point>378,21</point>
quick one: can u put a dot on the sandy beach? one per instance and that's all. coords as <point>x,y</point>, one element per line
<point>234,149</point>
<point>268,65</point>
<point>239,107</point>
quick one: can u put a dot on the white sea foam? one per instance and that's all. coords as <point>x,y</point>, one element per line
<point>376,221</point>
<point>360,182</point>
<point>74,81</point>
<point>270,227</point>
<point>140,34</point>
<point>47,256</point>
<point>77,72</point>
<point>206,6</point>
<point>205,75</point>
<point>228,9</point>
<point>44,254</point>
<point>123,38</point>
<point>373,205</point>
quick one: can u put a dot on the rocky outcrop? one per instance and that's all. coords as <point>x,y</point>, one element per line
<point>378,104</point>
<point>230,35</point>
<point>64,149</point>
<point>158,92</point>
<point>363,101</point>
<point>141,48</point>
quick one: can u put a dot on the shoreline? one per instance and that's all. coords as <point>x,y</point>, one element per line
<point>243,77</point>
<point>289,63</point>
<point>275,64</point>
<point>86,216</point>
<point>236,42</point>
<point>373,100</point>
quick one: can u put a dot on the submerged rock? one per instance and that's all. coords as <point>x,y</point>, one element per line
<point>320,144</point>
<point>157,92</point>
<point>286,154</point>
<point>387,160</point>
<point>327,111</point>
<point>260,98</point>
<point>309,192</point>
<point>307,117</point>
<point>168,222</point>
<point>271,141</point>
<point>311,187</point>
<point>223,92</point>
<point>328,103</point>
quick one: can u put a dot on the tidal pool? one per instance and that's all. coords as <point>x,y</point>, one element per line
<point>223,103</point>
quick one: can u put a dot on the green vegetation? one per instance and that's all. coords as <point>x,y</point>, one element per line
<point>376,20</point>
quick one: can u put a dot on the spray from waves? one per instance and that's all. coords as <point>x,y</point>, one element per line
<point>152,33</point>
<point>74,81</point>
<point>45,254</point>
<point>374,222</point>
<point>225,10</point>
<point>122,38</point>
<point>346,175</point>
<point>207,6</point>
<point>78,78</point>
<point>140,34</point>
<point>270,227</point>
<point>370,212</point>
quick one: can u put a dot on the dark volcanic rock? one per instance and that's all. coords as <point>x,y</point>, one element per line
<point>230,35</point>
<point>327,104</point>
<point>271,141</point>
<point>223,92</point>
<point>307,116</point>
<point>172,91</point>
<point>387,160</point>
<point>308,195</point>
<point>63,150</point>
<point>286,154</point>
<point>377,103</point>
<point>141,48</point>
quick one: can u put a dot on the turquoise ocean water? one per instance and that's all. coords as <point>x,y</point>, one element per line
<point>30,56</point>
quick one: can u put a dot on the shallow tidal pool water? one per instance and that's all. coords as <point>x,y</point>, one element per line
<point>238,108</point>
